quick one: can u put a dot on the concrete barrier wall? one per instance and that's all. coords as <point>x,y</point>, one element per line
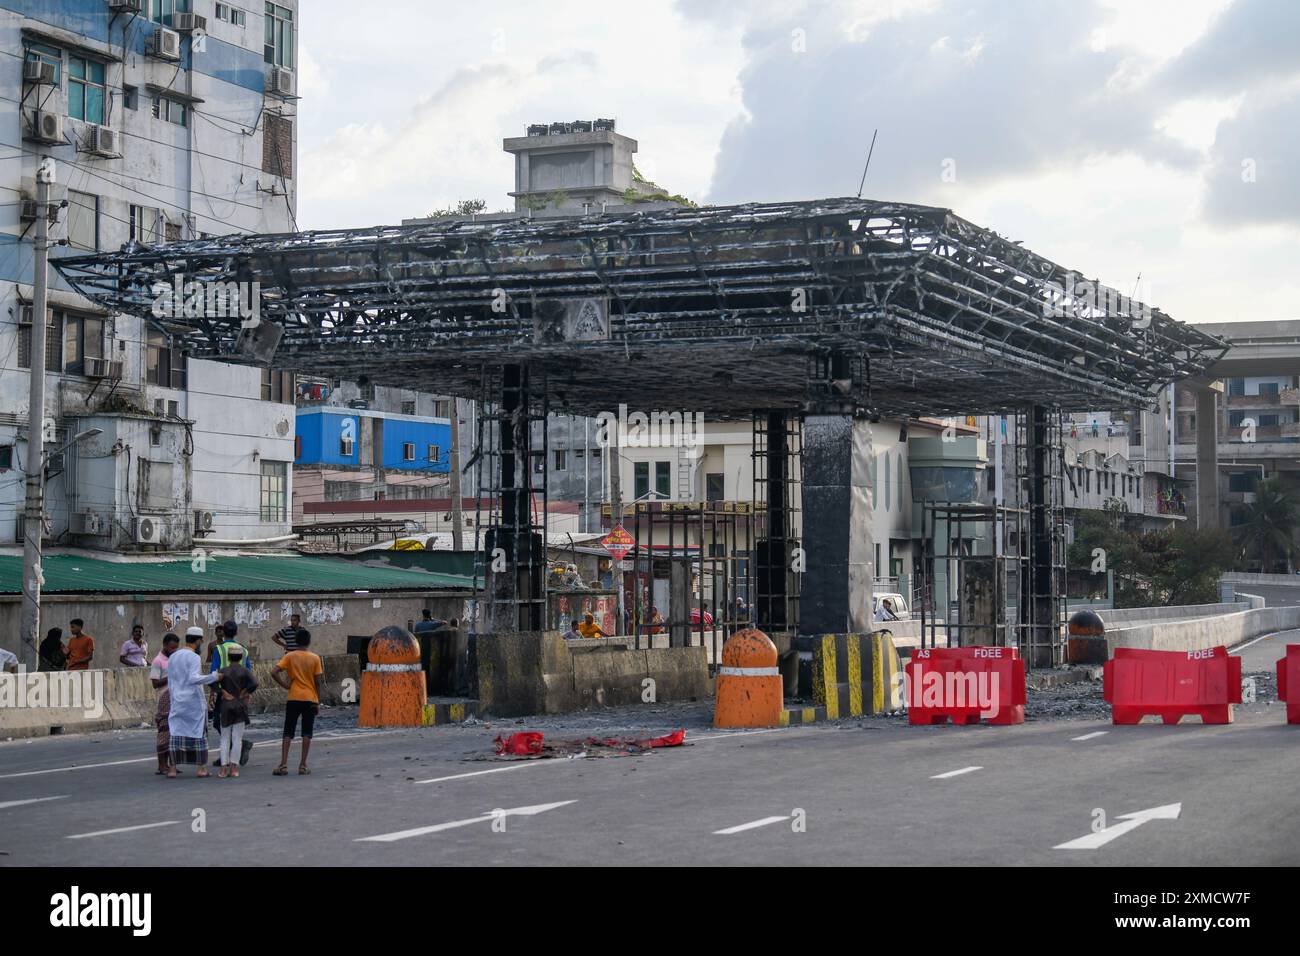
<point>1199,633</point>
<point>538,672</point>
<point>126,698</point>
<point>331,618</point>
<point>1143,615</point>
<point>1276,580</point>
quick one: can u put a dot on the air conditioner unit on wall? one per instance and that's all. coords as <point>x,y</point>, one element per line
<point>87,522</point>
<point>29,210</point>
<point>148,530</point>
<point>189,22</point>
<point>46,127</point>
<point>103,368</point>
<point>280,82</point>
<point>166,44</point>
<point>40,72</point>
<point>103,140</point>
<point>202,522</point>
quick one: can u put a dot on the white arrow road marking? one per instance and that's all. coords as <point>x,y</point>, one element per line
<point>142,826</point>
<point>19,803</point>
<point>1132,821</point>
<point>955,773</point>
<point>766,821</point>
<point>1095,733</point>
<point>438,827</point>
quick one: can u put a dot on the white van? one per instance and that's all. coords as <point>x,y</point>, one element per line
<point>896,601</point>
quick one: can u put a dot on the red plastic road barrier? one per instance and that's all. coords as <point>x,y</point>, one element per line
<point>1172,684</point>
<point>521,744</point>
<point>965,684</point>
<point>1288,682</point>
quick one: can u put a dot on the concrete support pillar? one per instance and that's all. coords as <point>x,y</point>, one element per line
<point>1207,457</point>
<point>835,595</point>
<point>772,570</point>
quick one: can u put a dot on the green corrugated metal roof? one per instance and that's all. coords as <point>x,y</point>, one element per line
<point>223,574</point>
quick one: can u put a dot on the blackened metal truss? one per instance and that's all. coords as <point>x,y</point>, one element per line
<point>720,309</point>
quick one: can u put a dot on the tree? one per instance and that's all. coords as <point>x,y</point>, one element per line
<point>463,207</point>
<point>1268,532</point>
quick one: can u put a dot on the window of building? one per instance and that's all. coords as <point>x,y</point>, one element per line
<point>435,454</point>
<point>1241,481</point>
<point>1236,386</point>
<point>539,463</point>
<point>1268,388</point>
<point>408,451</point>
<point>165,364</point>
<point>130,97</point>
<point>86,90</point>
<point>561,460</point>
<point>277,146</point>
<point>53,342</point>
<point>442,408</point>
<point>278,44</point>
<point>173,111</point>
<point>277,386</point>
<point>164,11</point>
<point>83,221</point>
<point>83,338</point>
<point>47,54</point>
<point>886,481</point>
<point>232,15</point>
<point>6,457</point>
<point>663,478</point>
<point>1266,421</point>
<point>640,479</point>
<point>408,408</point>
<point>899,471</point>
<point>274,487</point>
<point>142,221</point>
<point>715,486</point>
<point>368,391</point>
<point>1235,419</point>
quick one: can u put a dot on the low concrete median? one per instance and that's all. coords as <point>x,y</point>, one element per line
<point>1194,634</point>
<point>39,703</point>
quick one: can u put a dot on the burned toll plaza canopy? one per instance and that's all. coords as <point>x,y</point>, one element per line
<point>831,311</point>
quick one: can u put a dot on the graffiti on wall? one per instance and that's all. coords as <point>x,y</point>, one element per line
<point>250,614</point>
<point>314,613</point>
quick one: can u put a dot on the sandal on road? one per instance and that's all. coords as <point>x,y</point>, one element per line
<point>303,771</point>
<point>280,771</point>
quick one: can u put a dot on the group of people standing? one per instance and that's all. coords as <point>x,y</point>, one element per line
<point>78,651</point>
<point>192,694</point>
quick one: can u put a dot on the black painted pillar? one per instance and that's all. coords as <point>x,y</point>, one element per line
<point>835,591</point>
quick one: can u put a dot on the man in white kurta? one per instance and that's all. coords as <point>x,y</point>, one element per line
<point>187,719</point>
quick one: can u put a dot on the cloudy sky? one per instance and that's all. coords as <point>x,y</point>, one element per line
<point>1157,139</point>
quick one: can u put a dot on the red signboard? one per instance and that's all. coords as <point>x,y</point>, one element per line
<point>618,543</point>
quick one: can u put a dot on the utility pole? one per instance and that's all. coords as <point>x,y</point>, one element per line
<point>457,505</point>
<point>34,512</point>
<point>616,510</point>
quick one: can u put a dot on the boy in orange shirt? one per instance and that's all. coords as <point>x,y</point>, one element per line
<point>81,646</point>
<point>300,673</point>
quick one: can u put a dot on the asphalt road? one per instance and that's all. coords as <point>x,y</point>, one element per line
<point>870,791</point>
<point>1274,595</point>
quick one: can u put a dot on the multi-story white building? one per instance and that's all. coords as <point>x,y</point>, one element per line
<point>166,120</point>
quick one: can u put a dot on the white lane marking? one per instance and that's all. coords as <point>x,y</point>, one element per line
<point>118,763</point>
<point>955,773</point>
<point>1242,647</point>
<point>479,773</point>
<point>453,824</point>
<point>1095,733</point>
<point>766,821</point>
<point>84,766</point>
<point>1132,821</point>
<point>740,733</point>
<point>142,826</point>
<point>19,803</point>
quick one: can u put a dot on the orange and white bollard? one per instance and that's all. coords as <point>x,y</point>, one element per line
<point>749,688</point>
<point>393,691</point>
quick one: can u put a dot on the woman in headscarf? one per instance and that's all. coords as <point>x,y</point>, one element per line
<point>51,651</point>
<point>158,677</point>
